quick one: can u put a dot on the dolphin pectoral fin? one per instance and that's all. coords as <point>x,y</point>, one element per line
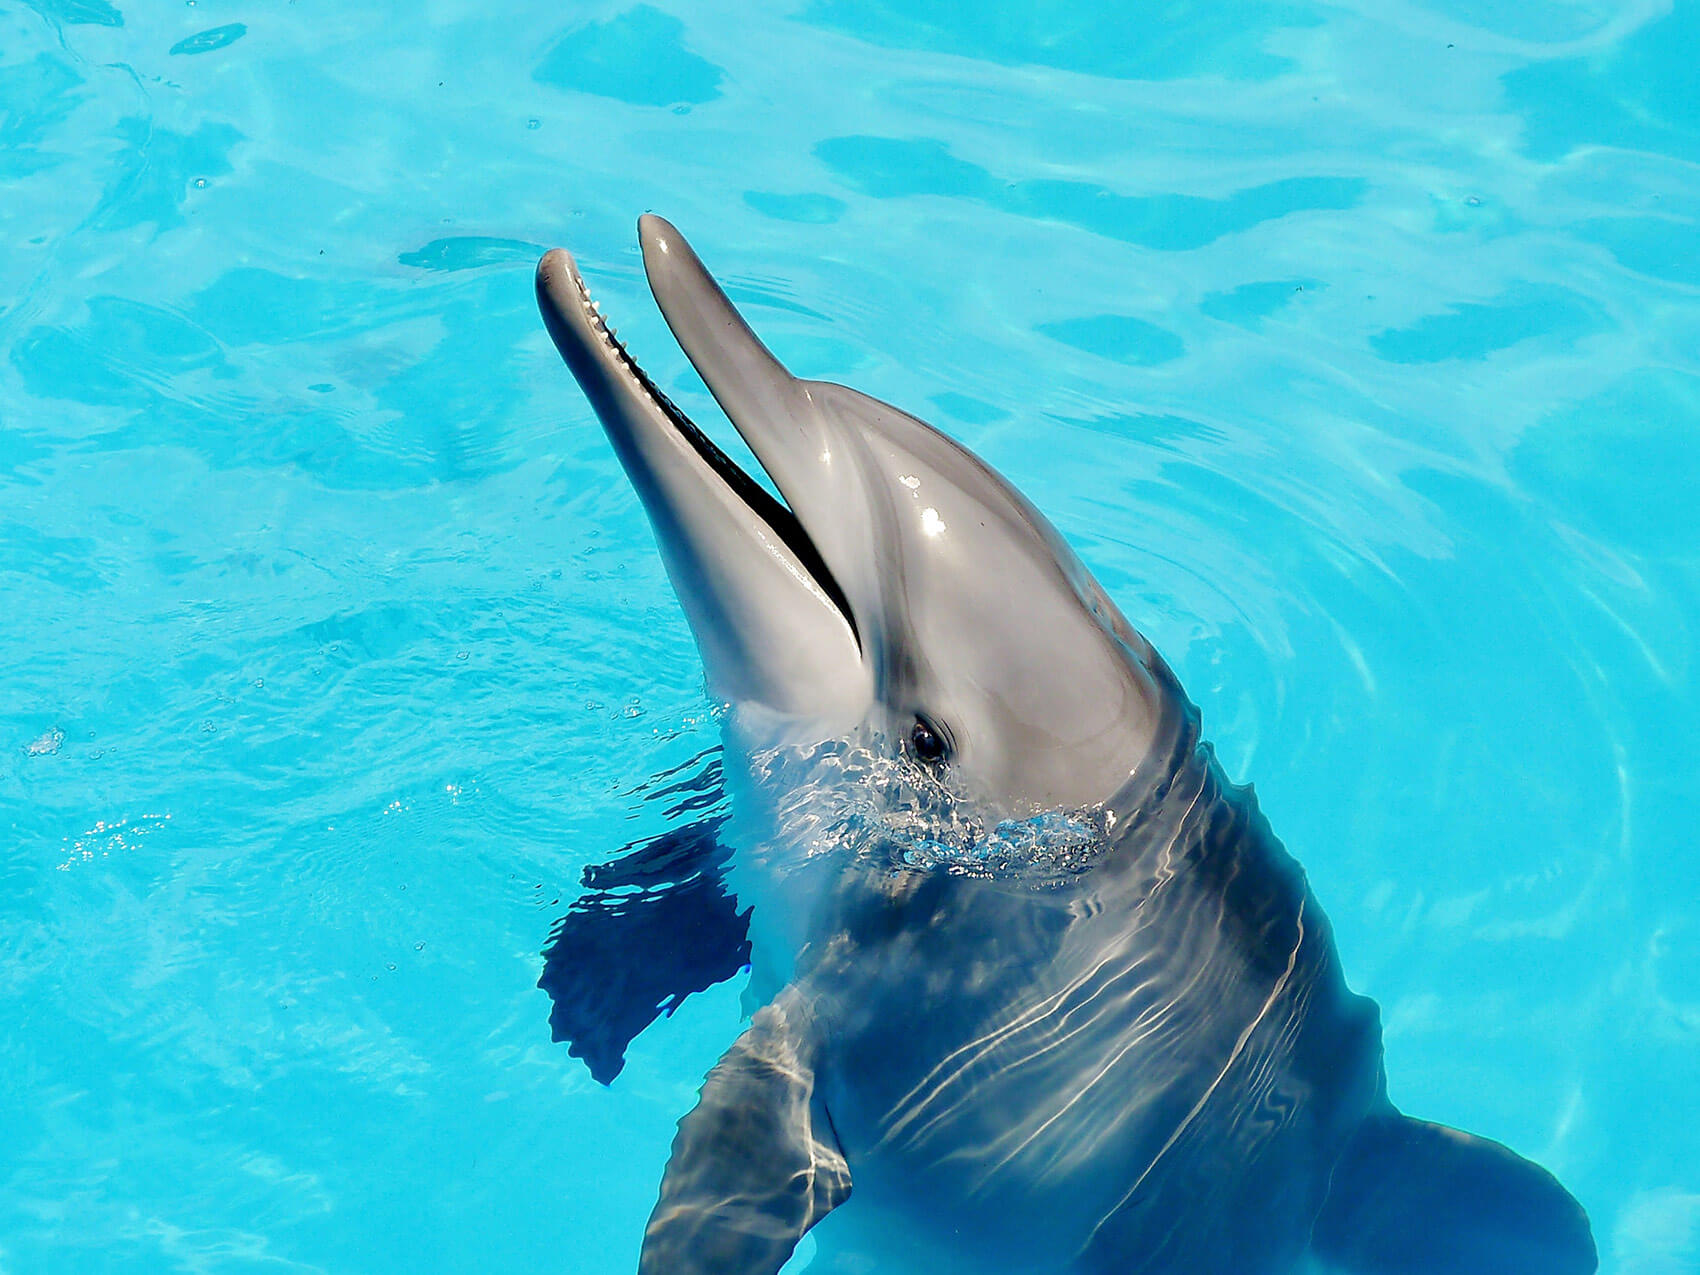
<point>1410,1198</point>
<point>755,1164</point>
<point>657,925</point>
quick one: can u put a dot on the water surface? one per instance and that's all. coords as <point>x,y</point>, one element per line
<point>1353,345</point>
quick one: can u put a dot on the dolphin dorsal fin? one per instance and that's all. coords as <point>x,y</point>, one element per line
<point>1411,1198</point>
<point>756,1163</point>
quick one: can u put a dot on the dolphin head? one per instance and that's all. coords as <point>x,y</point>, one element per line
<point>903,590</point>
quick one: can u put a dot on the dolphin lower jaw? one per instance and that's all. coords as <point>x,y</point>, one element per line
<point>776,634</point>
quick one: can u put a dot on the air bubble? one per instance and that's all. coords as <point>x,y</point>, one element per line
<point>46,744</point>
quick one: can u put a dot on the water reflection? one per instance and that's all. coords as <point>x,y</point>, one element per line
<point>656,925</point>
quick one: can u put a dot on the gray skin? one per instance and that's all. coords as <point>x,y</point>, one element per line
<point>1130,1049</point>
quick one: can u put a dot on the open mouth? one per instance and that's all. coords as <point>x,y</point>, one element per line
<point>777,518</point>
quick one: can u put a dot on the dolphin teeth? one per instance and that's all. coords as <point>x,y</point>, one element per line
<point>600,322</point>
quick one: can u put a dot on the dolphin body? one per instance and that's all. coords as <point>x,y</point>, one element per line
<point>1041,980</point>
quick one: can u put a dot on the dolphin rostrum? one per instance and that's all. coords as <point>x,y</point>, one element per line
<point>1040,981</point>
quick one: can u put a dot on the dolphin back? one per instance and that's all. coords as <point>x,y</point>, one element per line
<point>1158,1069</point>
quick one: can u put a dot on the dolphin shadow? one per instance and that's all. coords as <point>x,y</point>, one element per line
<point>657,924</point>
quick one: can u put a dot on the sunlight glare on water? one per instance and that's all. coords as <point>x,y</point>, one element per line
<point>1353,346</point>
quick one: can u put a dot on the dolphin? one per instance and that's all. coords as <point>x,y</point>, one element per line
<point>1041,985</point>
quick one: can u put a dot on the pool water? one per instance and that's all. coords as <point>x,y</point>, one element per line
<point>1355,346</point>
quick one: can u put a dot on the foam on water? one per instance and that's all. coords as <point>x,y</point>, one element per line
<point>1353,346</point>
<point>866,800</point>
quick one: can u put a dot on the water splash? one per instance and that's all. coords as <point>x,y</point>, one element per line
<point>865,800</point>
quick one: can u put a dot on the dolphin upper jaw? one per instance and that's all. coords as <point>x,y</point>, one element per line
<point>776,638</point>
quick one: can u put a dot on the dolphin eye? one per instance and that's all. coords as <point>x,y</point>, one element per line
<point>928,743</point>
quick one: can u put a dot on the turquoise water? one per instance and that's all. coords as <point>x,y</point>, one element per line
<point>1354,346</point>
